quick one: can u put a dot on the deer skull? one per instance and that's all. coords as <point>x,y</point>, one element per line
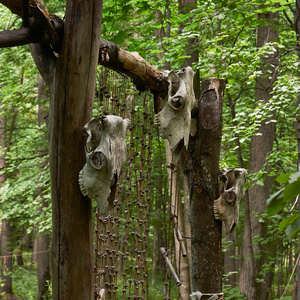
<point>174,120</point>
<point>226,207</point>
<point>105,157</point>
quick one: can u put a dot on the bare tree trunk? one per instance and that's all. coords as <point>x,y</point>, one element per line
<point>6,253</point>
<point>42,241</point>
<point>43,264</point>
<point>246,278</point>
<point>184,268</point>
<point>71,80</point>
<point>187,226</point>
<point>230,260</point>
<point>260,146</point>
<point>202,169</point>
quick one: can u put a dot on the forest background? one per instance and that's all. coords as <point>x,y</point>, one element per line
<point>254,46</point>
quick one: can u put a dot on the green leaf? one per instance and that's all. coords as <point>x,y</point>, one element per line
<point>288,221</point>
<point>275,203</point>
<point>291,191</point>
<point>294,177</point>
<point>283,178</point>
<point>293,229</point>
<point>120,37</point>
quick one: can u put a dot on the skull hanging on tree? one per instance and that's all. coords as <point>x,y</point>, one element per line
<point>105,157</point>
<point>174,120</point>
<point>226,207</point>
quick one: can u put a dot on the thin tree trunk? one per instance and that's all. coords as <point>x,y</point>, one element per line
<point>153,260</point>
<point>6,230</point>
<point>6,253</point>
<point>43,264</point>
<point>246,276</point>
<point>297,29</point>
<point>187,226</point>
<point>185,7</point>
<point>43,238</point>
<point>230,260</point>
<point>176,216</point>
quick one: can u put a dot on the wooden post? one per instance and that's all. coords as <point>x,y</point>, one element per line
<point>202,168</point>
<point>72,89</point>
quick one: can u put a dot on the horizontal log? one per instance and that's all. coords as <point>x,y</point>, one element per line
<point>131,64</point>
<point>17,37</point>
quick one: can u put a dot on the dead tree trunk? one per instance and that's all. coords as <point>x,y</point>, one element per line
<point>71,80</point>
<point>203,169</point>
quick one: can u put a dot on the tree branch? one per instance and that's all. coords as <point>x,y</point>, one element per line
<point>17,37</point>
<point>44,59</point>
<point>143,75</point>
<point>15,6</point>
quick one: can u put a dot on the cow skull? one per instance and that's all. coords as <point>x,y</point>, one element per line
<point>105,156</point>
<point>226,207</point>
<point>174,120</point>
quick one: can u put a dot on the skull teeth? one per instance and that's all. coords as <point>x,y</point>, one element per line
<point>216,211</point>
<point>81,183</point>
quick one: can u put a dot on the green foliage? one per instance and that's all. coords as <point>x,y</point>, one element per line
<point>25,282</point>
<point>281,200</point>
<point>232,292</point>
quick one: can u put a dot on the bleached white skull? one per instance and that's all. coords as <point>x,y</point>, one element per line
<point>232,190</point>
<point>174,120</point>
<point>105,157</point>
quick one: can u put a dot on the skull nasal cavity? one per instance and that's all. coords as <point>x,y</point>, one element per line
<point>177,102</point>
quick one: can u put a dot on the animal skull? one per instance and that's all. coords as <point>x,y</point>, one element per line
<point>105,156</point>
<point>174,120</point>
<point>226,208</point>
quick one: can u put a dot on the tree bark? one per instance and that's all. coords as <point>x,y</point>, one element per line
<point>6,253</point>
<point>72,90</point>
<point>260,146</point>
<point>43,238</point>
<point>43,265</point>
<point>71,81</point>
<point>203,169</point>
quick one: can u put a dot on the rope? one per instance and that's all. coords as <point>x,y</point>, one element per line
<point>198,295</point>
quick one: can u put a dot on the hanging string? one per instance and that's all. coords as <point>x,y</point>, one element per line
<point>122,237</point>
